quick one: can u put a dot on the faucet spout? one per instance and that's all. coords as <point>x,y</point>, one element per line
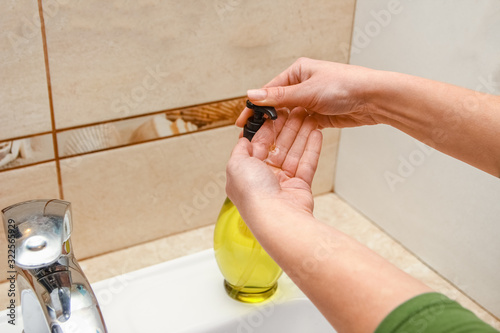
<point>56,296</point>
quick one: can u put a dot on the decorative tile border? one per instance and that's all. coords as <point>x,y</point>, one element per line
<point>117,133</point>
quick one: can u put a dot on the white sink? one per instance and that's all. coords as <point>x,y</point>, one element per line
<point>294,316</point>
<point>186,295</point>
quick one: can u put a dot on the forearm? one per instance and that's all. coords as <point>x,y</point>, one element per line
<point>342,277</point>
<point>459,122</point>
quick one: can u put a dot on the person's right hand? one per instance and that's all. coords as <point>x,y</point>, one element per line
<point>335,94</point>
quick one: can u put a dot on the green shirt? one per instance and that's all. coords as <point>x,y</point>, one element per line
<point>432,313</point>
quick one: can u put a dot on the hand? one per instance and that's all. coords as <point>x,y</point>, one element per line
<point>258,177</point>
<point>335,94</point>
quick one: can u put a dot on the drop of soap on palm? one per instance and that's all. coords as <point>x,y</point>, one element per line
<point>272,148</point>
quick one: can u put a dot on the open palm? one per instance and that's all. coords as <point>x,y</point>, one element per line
<point>280,172</point>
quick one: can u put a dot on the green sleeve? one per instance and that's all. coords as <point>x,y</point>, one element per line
<point>430,313</point>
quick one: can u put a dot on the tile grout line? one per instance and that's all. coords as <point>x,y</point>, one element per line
<point>22,166</point>
<point>379,227</point>
<point>148,114</point>
<point>51,100</point>
<point>114,147</point>
<point>352,32</point>
<point>353,21</point>
<point>29,136</point>
<point>226,122</point>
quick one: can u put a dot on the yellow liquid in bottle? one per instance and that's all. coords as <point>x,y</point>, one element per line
<point>250,274</point>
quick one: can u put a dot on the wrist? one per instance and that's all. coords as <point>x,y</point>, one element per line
<point>381,95</point>
<point>269,215</point>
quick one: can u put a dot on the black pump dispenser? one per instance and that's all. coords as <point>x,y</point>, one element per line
<point>257,120</point>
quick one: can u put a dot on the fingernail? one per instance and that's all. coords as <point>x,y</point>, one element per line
<point>257,94</point>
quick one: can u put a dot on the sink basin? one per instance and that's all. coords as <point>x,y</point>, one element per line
<point>295,316</point>
<point>186,295</point>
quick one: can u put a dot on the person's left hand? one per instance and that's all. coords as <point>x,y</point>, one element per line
<point>258,176</point>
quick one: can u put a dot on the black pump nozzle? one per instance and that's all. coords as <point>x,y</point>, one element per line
<point>257,120</point>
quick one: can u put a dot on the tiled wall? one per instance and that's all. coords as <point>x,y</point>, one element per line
<point>443,210</point>
<point>97,98</point>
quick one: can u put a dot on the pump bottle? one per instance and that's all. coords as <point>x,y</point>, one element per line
<point>250,274</point>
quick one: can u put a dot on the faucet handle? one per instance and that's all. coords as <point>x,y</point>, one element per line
<point>40,229</point>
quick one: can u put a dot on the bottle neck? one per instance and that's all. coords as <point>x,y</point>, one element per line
<point>252,126</point>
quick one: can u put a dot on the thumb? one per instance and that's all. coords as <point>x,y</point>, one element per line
<point>242,149</point>
<point>288,96</point>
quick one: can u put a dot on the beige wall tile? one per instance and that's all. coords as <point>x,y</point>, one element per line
<point>24,107</point>
<point>323,181</point>
<point>32,150</point>
<point>334,211</point>
<point>143,192</point>
<point>114,59</point>
<point>35,182</point>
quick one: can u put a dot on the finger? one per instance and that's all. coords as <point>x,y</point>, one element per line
<point>273,126</point>
<point>296,152</point>
<point>247,113</point>
<point>266,135</point>
<point>243,117</point>
<point>284,113</point>
<point>286,88</point>
<point>283,96</point>
<point>309,160</point>
<point>287,136</point>
<point>243,148</point>
<point>235,166</point>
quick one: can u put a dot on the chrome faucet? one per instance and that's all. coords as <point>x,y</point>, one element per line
<point>55,294</point>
